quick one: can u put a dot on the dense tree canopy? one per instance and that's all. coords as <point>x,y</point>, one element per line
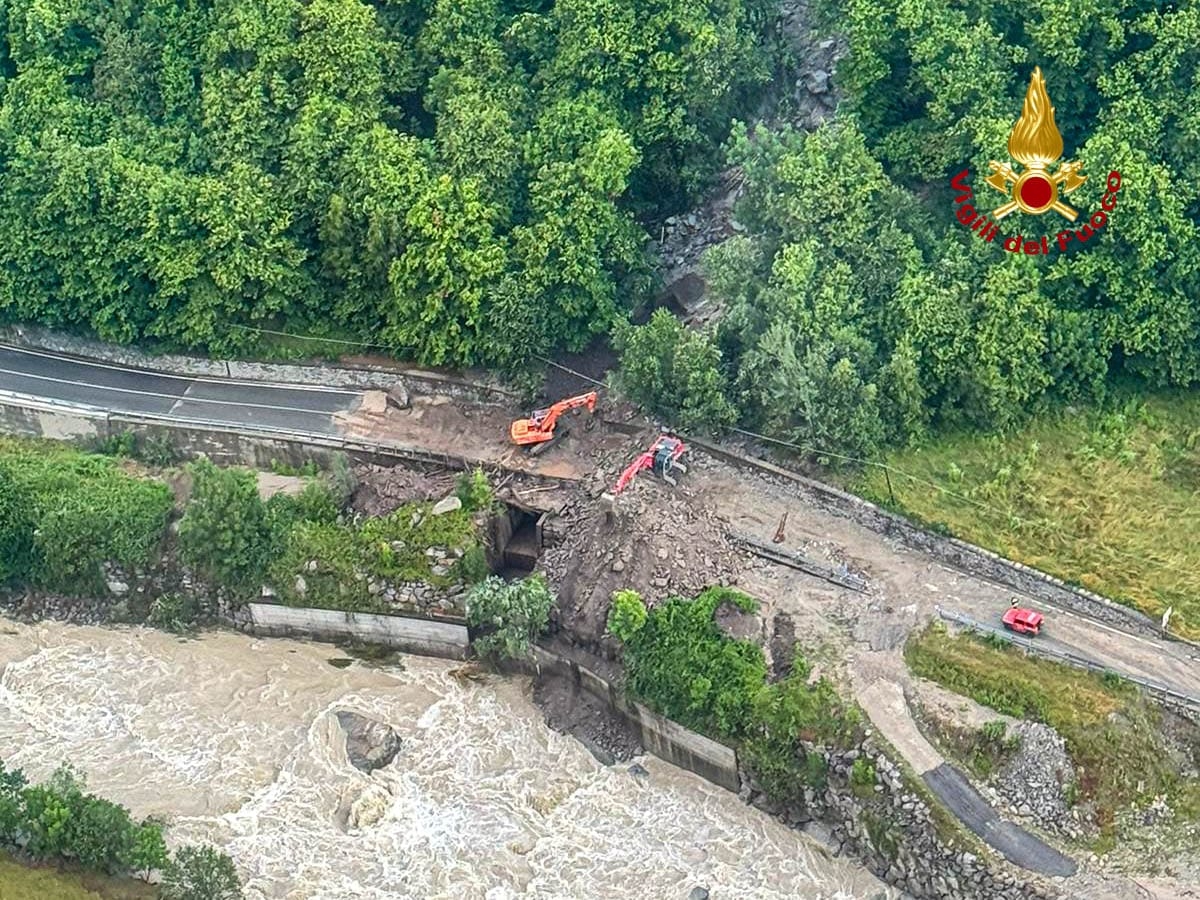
<point>859,313</point>
<point>457,179</point>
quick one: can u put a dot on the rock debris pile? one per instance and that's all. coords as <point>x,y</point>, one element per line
<point>658,544</point>
<point>1033,783</point>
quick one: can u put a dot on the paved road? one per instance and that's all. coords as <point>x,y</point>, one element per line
<point>295,408</point>
<point>1017,845</point>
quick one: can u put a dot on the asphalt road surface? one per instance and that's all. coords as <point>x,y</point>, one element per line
<point>294,408</point>
<point>1017,845</point>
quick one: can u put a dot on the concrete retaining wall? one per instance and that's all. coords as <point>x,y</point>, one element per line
<point>952,551</point>
<point>225,444</point>
<point>667,740</point>
<point>416,381</point>
<point>448,640</point>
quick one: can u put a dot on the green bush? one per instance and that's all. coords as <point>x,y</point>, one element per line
<point>173,612</point>
<point>315,503</point>
<point>63,513</point>
<point>58,821</point>
<point>16,528</point>
<point>391,548</point>
<point>473,567</point>
<point>626,616</point>
<point>201,873</point>
<point>786,713</point>
<point>680,663</point>
<point>673,371</point>
<point>862,777</point>
<point>123,444</point>
<point>513,614</point>
<point>117,519</point>
<point>474,490</point>
<point>226,533</point>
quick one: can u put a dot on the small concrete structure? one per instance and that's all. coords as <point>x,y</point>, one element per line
<point>427,637</point>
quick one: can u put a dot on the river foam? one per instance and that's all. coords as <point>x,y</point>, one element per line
<point>235,741</point>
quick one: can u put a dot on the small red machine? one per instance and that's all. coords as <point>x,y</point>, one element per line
<point>662,458</point>
<point>537,432</point>
<point>1023,621</point>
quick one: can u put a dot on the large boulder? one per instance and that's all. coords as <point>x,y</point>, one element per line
<point>370,745</point>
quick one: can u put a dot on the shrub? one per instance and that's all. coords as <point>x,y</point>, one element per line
<point>474,490</point>
<point>201,873</point>
<point>473,567</point>
<point>681,664</point>
<point>16,527</point>
<point>121,444</point>
<point>173,612</point>
<point>342,482</point>
<point>315,503</point>
<point>157,450</point>
<point>786,713</point>
<point>514,614</point>
<point>116,518</point>
<point>626,616</point>
<point>391,548</point>
<point>149,851</point>
<point>862,777</point>
<point>993,732</point>
<point>225,533</point>
<point>673,371</point>
<point>12,783</point>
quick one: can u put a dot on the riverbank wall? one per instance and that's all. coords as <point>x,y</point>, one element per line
<point>891,827</point>
<point>445,639</point>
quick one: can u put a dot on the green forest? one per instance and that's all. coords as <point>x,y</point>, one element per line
<point>460,181</point>
<point>472,183</point>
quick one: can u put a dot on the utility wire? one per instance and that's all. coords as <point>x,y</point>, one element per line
<point>1045,527</point>
<point>309,337</point>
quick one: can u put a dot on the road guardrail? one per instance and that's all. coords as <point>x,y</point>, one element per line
<point>1032,646</point>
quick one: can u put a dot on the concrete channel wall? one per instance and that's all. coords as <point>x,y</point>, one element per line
<point>711,760</point>
<point>425,637</point>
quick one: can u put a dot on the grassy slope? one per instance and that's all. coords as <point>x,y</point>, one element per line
<point>1105,498</point>
<point>19,882</point>
<point>1101,720</point>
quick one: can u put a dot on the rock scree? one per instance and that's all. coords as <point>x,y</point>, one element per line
<point>370,745</point>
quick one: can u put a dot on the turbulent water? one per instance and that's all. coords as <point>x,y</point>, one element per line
<point>235,741</point>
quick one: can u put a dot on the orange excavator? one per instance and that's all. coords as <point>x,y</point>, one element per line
<point>662,458</point>
<point>538,431</point>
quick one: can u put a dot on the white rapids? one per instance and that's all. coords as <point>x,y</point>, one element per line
<point>235,741</point>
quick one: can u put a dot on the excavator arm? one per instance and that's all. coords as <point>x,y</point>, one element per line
<point>539,427</point>
<point>663,457</point>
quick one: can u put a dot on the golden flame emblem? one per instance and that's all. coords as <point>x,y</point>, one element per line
<point>1036,143</point>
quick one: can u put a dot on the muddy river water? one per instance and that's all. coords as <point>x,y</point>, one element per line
<point>235,741</point>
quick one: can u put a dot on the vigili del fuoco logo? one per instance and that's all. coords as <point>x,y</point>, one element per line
<point>1037,145</point>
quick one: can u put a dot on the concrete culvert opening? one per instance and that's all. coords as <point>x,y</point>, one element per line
<point>517,541</point>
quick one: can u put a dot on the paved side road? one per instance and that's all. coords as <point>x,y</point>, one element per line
<point>1017,844</point>
<point>294,408</point>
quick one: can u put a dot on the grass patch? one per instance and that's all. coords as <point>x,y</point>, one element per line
<point>1112,731</point>
<point>47,882</point>
<point>392,548</point>
<point>1104,497</point>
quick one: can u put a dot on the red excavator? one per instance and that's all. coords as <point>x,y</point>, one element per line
<point>537,432</point>
<point>662,458</point>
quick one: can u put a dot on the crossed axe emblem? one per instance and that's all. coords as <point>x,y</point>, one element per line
<point>1008,182</point>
